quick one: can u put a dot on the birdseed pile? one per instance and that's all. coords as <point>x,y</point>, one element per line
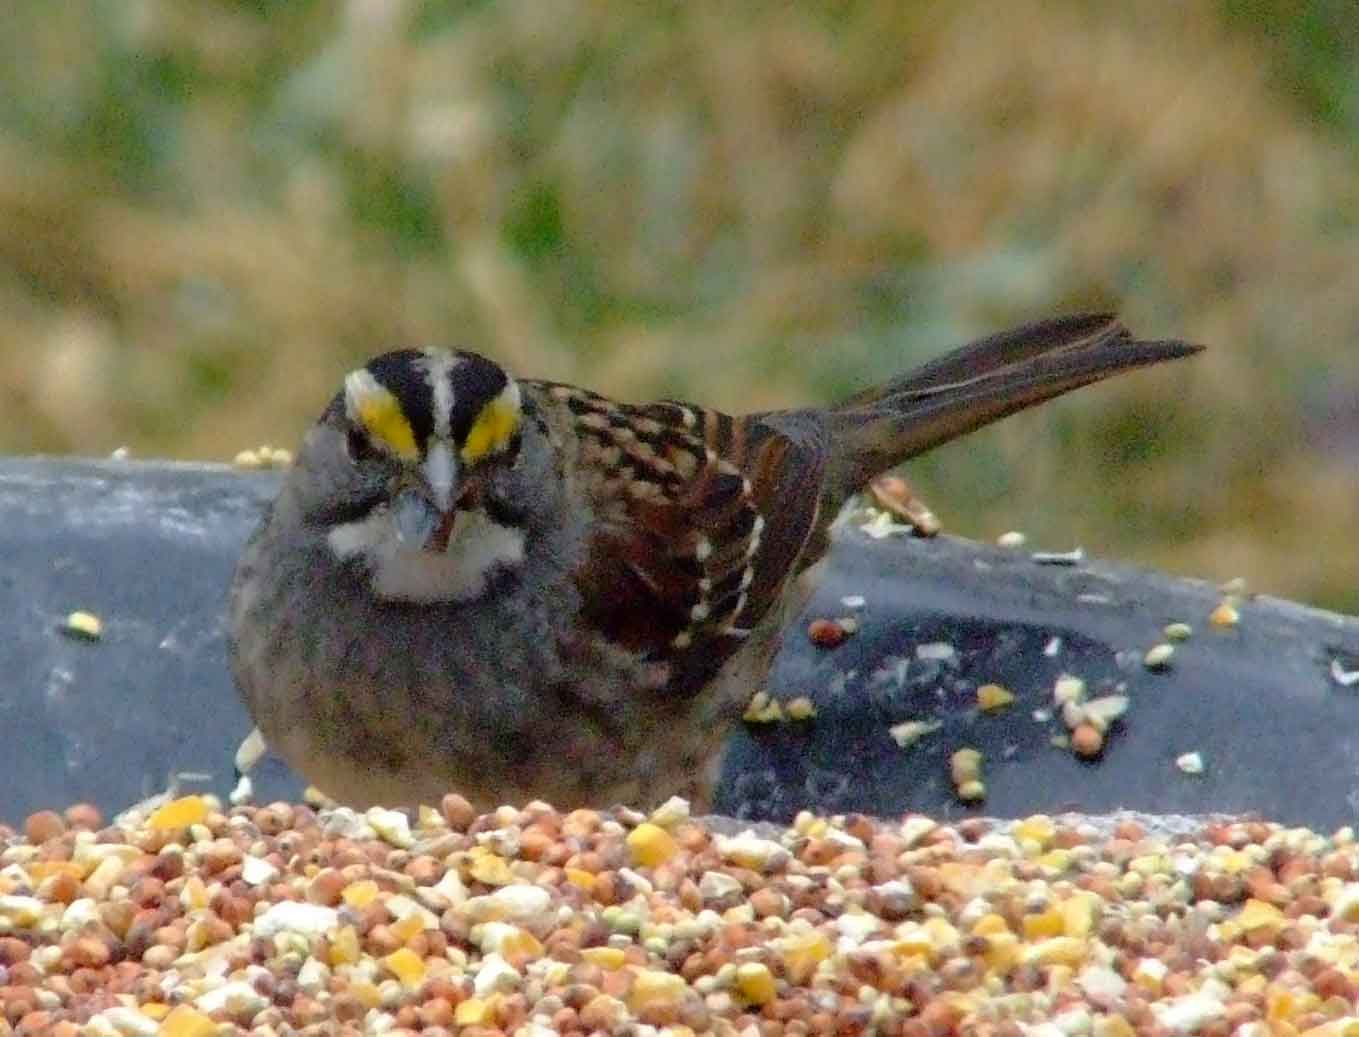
<point>193,922</point>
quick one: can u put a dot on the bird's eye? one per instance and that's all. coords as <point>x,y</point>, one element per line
<point>358,446</point>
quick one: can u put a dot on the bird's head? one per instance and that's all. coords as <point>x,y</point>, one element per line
<point>422,470</point>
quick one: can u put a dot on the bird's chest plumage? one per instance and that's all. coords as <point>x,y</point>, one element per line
<point>501,698</point>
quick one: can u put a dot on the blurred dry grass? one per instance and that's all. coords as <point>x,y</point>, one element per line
<point>209,210</point>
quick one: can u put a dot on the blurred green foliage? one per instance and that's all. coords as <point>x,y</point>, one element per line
<point>209,210</point>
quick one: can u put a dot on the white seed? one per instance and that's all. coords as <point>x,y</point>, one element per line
<point>250,751</point>
<point>1345,678</point>
<point>911,731</point>
<point>936,651</point>
<point>1178,631</point>
<point>1068,689</point>
<point>1103,711</point>
<point>1190,763</point>
<point>800,708</point>
<point>1158,657</point>
<point>1012,539</point>
<point>1072,557</point>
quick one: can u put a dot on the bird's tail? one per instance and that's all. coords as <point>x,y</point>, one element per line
<point>977,384</point>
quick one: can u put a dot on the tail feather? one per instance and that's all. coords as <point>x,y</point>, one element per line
<point>981,383</point>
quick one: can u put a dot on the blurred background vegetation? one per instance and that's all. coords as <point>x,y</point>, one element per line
<point>209,210</point>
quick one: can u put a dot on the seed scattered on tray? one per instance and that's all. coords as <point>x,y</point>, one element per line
<point>1068,689</point>
<point>908,732</point>
<point>263,457</point>
<point>84,625</point>
<point>1012,540</point>
<point>881,525</point>
<point>992,697</point>
<point>1178,631</point>
<point>1086,740</point>
<point>762,709</point>
<point>800,708</point>
<point>1158,657</point>
<point>937,651</point>
<point>1190,763</point>
<point>828,633</point>
<point>1345,678</point>
<point>965,769</point>
<point>1226,615</point>
<point>1073,557</point>
<point>894,495</point>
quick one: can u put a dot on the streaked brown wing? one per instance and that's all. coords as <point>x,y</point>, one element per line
<point>699,519</point>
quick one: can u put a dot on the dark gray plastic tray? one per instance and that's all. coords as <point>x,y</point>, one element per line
<point>149,548</point>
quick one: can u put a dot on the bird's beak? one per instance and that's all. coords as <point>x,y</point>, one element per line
<point>424,515</point>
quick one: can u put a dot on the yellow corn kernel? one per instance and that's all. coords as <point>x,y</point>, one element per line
<point>609,958</point>
<point>406,965</point>
<point>187,1022</point>
<point>179,813</point>
<point>755,983</point>
<point>360,894</point>
<point>651,845</point>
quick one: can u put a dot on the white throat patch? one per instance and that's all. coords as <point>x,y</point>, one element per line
<point>476,547</point>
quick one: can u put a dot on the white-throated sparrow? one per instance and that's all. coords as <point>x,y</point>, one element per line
<point>516,589</point>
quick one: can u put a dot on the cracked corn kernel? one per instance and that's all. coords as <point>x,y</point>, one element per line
<point>406,965</point>
<point>344,946</point>
<point>755,982</point>
<point>965,765</point>
<point>651,845</point>
<point>608,958</point>
<point>800,708</point>
<point>1059,950</point>
<point>1080,914</point>
<point>1225,615</point>
<point>1037,829</point>
<point>491,869</point>
<point>179,813</point>
<point>653,985</point>
<point>971,791</point>
<point>580,878</point>
<point>994,696</point>
<point>473,1012</point>
<point>360,894</point>
<point>184,1021</point>
<point>802,953</point>
<point>84,624</point>
<point>410,926</point>
<point>1044,924</point>
<point>1259,914</point>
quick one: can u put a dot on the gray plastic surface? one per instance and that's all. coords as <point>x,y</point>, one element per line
<point>149,547</point>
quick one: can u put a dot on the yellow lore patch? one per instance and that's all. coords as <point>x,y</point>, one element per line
<point>380,413</point>
<point>494,428</point>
